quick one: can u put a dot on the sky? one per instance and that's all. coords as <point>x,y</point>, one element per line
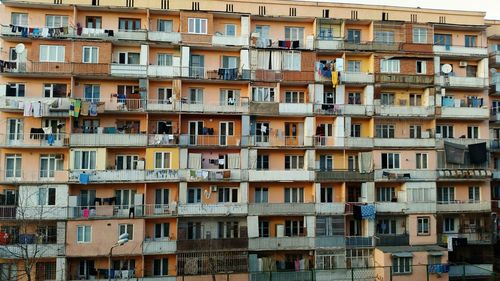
<point>491,7</point>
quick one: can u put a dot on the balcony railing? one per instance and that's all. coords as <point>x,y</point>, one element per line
<point>33,140</point>
<point>330,208</point>
<point>224,74</point>
<point>266,140</point>
<point>329,43</point>
<point>193,175</point>
<point>159,246</point>
<point>164,71</point>
<point>463,206</point>
<point>280,175</point>
<point>386,78</point>
<point>405,175</point>
<point>171,37</point>
<point>212,244</point>
<point>57,106</point>
<point>209,140</point>
<point>32,250</point>
<point>356,77</point>
<point>97,176</point>
<point>212,209</point>
<point>30,176</point>
<point>223,40</point>
<point>472,238</point>
<point>344,109</point>
<point>125,34</point>
<point>392,240</point>
<point>460,50</point>
<point>280,208</point>
<point>289,76</point>
<point>336,241</point>
<point>463,174</point>
<point>163,139</point>
<point>117,139</point>
<point>281,243</point>
<point>404,142</point>
<point>61,68</point>
<point>343,175</point>
<point>404,111</point>
<point>129,70</point>
<point>359,242</point>
<point>371,46</point>
<point>462,82</point>
<point>231,106</point>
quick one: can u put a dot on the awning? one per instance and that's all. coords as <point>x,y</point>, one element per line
<point>403,255</point>
<point>435,253</point>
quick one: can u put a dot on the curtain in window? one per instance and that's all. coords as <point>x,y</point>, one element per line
<point>194,161</point>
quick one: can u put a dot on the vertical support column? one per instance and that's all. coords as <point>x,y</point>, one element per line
<point>185,61</point>
<point>183,158</point>
<point>61,269</point>
<point>339,131</point>
<point>183,192</point>
<point>243,192</point>
<point>61,258</point>
<point>318,94</point>
<point>340,94</point>
<point>310,225</point>
<point>308,131</point>
<point>144,57</point>
<point>310,159</point>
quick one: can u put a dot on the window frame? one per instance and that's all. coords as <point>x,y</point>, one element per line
<point>419,35</point>
<point>86,229</point>
<point>126,228</point>
<point>197,25</point>
<point>423,226</point>
<point>90,50</point>
<point>46,50</point>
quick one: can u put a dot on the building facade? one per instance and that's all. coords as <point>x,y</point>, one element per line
<point>247,140</point>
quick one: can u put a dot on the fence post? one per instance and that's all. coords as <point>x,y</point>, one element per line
<point>463,272</point>
<point>352,274</point>
<point>427,271</point>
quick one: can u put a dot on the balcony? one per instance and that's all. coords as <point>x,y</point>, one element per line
<point>391,207</point>
<point>281,209</point>
<point>460,51</point>
<point>58,107</point>
<point>359,242</point>
<point>222,40</point>
<point>471,272</point>
<point>306,275</point>
<point>129,70</point>
<point>405,175</point>
<point>101,176</point>
<point>343,175</point>
<point>281,43</point>
<point>463,206</point>
<point>158,247</point>
<point>343,109</point>
<point>407,142</point>
<point>218,175</point>
<point>163,71</point>
<point>57,69</point>
<point>372,46</point>
<point>209,140</point>
<point>462,82</point>
<point>160,140</point>
<point>329,43</point>
<point>495,82</point>
<point>213,244</point>
<point>160,36</point>
<point>461,141</point>
<point>330,208</point>
<point>465,112</point>
<point>358,142</point>
<point>296,108</point>
<point>399,80</point>
<point>356,77</point>
<point>33,140</point>
<point>218,209</point>
<point>336,241</point>
<point>474,238</point>
<point>463,174</point>
<point>280,175</point>
<point>284,76</point>
<point>404,111</point>
<point>36,250</point>
<point>270,141</point>
<point>105,211</point>
<point>494,58</point>
<point>131,35</point>
<point>30,176</point>
<point>106,140</point>
<point>221,74</point>
<point>392,240</point>
<point>233,106</point>
<point>280,243</point>
<point>31,212</point>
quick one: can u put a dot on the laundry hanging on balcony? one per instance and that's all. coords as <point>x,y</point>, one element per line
<point>477,153</point>
<point>455,153</point>
<point>368,211</point>
<point>39,31</point>
<point>7,65</point>
<point>365,162</point>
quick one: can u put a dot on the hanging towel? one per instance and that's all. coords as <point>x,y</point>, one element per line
<point>477,153</point>
<point>365,162</point>
<point>51,139</point>
<point>37,109</point>
<point>93,109</point>
<point>86,213</point>
<point>78,104</point>
<point>455,153</point>
<point>28,110</point>
<point>84,178</point>
<point>45,32</point>
<point>85,108</point>
<point>47,130</point>
<point>335,78</point>
<point>368,211</point>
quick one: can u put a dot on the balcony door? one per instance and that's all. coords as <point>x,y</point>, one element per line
<point>292,133</point>
<point>14,130</point>
<point>197,66</point>
<point>226,129</point>
<point>195,129</point>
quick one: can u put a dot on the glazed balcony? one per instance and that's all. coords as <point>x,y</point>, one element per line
<point>459,206</point>
<point>281,209</point>
<point>397,80</point>
<point>494,57</point>
<point>58,107</point>
<point>392,240</point>
<point>100,176</point>
<point>273,141</point>
<point>209,140</point>
<point>274,43</point>
<point>404,111</point>
<point>33,140</point>
<point>461,51</point>
<point>161,36</point>
<point>280,175</point>
<point>220,209</point>
<point>129,70</point>
<point>280,243</point>
<point>159,246</point>
<point>107,140</point>
<point>462,82</point>
<point>343,175</point>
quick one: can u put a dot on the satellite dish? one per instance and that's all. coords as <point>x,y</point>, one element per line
<point>446,68</point>
<point>20,48</point>
<point>493,70</point>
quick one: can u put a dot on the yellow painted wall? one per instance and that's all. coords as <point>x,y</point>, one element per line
<point>150,157</point>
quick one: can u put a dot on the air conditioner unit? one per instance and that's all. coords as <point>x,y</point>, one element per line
<point>463,64</point>
<point>213,188</point>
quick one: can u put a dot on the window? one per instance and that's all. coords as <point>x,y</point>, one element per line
<point>228,229</point>
<point>389,66</point>
<point>354,98</point>
<point>46,196</point>
<point>86,268</point>
<point>193,230</point>
<point>19,19</point>
<point>470,41</point>
<point>160,267</point>
<point>263,229</point>
<point>164,59</point>
<point>129,24</point>
<point>83,234</point>
<point>421,67</point>
<point>54,90</point>
<point>230,30</point>
<point>294,97</point>
<point>356,130</point>
<point>352,163</point>
<point>261,194</point>
<point>84,160</point>
<point>291,61</point>
<point>294,162</point>
<point>415,131</point>
<point>263,31</point>
<point>13,163</point>
<point>194,195</point>
<point>227,194</point>
<point>384,36</point>
<point>354,66</point>
<point>294,33</point>
<point>386,194</point>
<point>354,36</point>
<point>401,265</point>
<point>385,131</point>
<point>326,162</point>
<point>93,22</point>
<point>51,53</point>
<point>294,195</point>
<point>129,58</point>
<point>386,226</point>
<point>126,228</point>
<point>262,162</point>
<point>56,21</point>
<point>423,225</point>
<point>262,94</point>
<point>472,132</point>
<point>15,90</point>
<point>230,62</point>
<point>442,39</point>
<point>164,25</point>
<point>449,225</point>
<point>165,96</point>
<point>162,160</point>
<point>387,99</point>
<point>92,93</point>
<point>390,160</point>
<point>415,100</point>
<point>162,230</point>
<point>434,259</point>
<point>326,195</point>
<point>196,96</point>
<point>474,194</point>
<point>161,197</point>
<point>90,54</point>
<point>125,198</point>
<point>197,25</point>
<point>294,228</point>
<point>49,163</point>
<point>419,35</point>
<point>421,159</point>
<point>126,162</point>
<point>446,195</point>
<point>471,71</point>
<point>446,131</point>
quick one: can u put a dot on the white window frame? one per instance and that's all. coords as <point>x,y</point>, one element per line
<point>422,222</point>
<point>163,160</point>
<point>296,162</point>
<point>263,94</point>
<point>385,194</point>
<point>197,195</point>
<point>43,196</point>
<point>57,21</point>
<point>402,265</point>
<point>126,228</point>
<point>294,33</point>
<point>17,164</point>
<point>389,66</point>
<point>446,131</point>
<point>353,66</point>
<point>92,52</point>
<point>295,195</point>
<point>164,59</point>
<point>197,26</point>
<point>52,53</point>
<point>261,195</point>
<point>292,61</point>
<point>294,97</point>
<point>446,194</point>
<point>19,89</point>
<point>19,19</point>
<point>473,132</point>
<point>86,230</point>
<point>385,131</point>
<point>393,160</point>
<point>386,37</point>
<point>421,161</point>
<point>476,192</point>
<point>81,165</point>
<point>423,67</point>
<point>129,162</point>
<point>55,163</point>
<point>420,35</point>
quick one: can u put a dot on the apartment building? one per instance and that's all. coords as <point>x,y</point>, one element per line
<point>247,140</point>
